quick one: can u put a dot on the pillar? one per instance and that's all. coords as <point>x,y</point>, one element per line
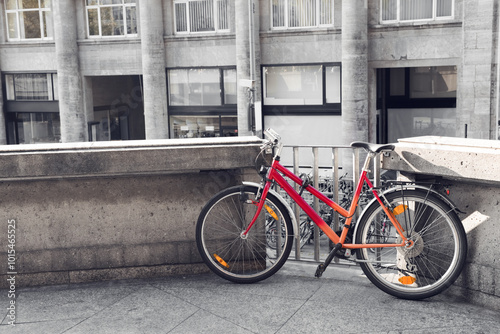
<point>71,109</point>
<point>476,115</point>
<point>247,63</point>
<point>153,69</point>
<point>3,128</point>
<point>354,70</point>
<point>355,120</point>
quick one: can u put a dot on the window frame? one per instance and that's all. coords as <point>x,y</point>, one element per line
<point>224,109</point>
<point>20,31</point>
<point>405,100</point>
<point>98,7</point>
<point>52,89</point>
<point>13,121</point>
<point>325,108</point>
<point>193,108</point>
<point>434,14</point>
<point>35,107</point>
<point>317,17</point>
<point>216,30</point>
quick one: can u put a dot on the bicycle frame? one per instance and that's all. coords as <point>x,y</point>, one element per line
<point>275,175</point>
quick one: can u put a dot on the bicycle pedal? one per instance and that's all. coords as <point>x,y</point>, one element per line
<point>320,270</point>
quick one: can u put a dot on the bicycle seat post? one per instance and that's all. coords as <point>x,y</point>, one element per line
<point>369,157</point>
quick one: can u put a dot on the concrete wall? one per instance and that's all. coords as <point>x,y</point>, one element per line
<point>470,168</point>
<point>110,210</point>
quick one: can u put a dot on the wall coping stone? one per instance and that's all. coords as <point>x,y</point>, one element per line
<point>454,158</point>
<point>135,157</point>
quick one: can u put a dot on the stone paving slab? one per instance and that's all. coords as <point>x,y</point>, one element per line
<point>292,301</point>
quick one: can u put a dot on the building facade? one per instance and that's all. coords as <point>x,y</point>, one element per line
<point>318,71</point>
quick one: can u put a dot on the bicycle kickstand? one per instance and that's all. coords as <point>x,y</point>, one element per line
<point>322,266</point>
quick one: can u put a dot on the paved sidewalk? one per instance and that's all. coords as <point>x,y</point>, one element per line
<point>292,301</point>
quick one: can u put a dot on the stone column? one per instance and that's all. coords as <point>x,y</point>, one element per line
<point>153,69</point>
<point>355,120</point>
<point>475,96</point>
<point>71,109</point>
<point>246,61</point>
<point>3,128</point>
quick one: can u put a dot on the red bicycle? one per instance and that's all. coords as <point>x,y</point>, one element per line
<point>245,233</point>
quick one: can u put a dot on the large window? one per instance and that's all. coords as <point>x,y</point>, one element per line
<point>195,16</point>
<point>417,101</point>
<point>29,19</point>
<point>202,87</point>
<point>301,13</point>
<point>302,88</point>
<point>32,110</point>
<point>202,102</point>
<point>414,10</point>
<point>111,18</point>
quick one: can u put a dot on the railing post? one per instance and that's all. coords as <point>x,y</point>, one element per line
<point>356,174</point>
<point>316,200</point>
<point>295,205</point>
<point>335,191</point>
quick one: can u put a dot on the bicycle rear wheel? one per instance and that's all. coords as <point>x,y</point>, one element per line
<point>238,258</point>
<point>431,264</point>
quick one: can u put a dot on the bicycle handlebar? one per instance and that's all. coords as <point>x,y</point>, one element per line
<point>274,140</point>
<point>272,135</point>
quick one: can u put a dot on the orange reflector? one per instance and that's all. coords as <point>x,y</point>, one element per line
<point>407,280</point>
<point>399,209</point>
<point>271,212</point>
<point>221,261</point>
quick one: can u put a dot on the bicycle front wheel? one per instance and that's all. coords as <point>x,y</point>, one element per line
<point>430,263</point>
<point>237,257</point>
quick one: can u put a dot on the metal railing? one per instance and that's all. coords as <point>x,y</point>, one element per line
<point>328,173</point>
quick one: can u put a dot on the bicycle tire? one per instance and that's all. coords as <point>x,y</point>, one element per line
<point>436,258</point>
<point>233,257</point>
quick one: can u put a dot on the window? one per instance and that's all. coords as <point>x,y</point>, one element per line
<point>203,126</point>
<point>301,13</point>
<point>414,10</point>
<point>34,128</point>
<point>113,18</point>
<point>417,101</point>
<point>31,108</point>
<point>28,19</point>
<point>194,16</point>
<point>433,82</point>
<point>202,102</point>
<point>31,87</point>
<point>202,87</point>
<point>302,88</point>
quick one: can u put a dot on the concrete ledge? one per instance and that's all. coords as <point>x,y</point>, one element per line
<point>125,157</point>
<point>471,170</point>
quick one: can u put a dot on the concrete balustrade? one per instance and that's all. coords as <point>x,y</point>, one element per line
<point>110,210</point>
<point>470,168</point>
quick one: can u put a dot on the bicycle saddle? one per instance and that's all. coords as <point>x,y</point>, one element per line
<point>375,148</point>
